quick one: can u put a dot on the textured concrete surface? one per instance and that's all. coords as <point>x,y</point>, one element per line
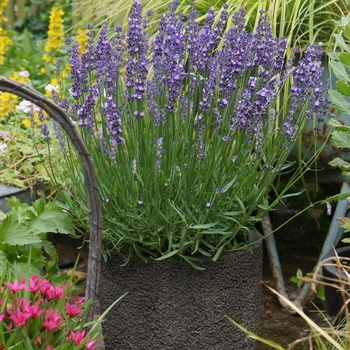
<point>172,306</point>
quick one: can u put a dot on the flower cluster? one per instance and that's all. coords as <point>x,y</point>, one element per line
<point>55,33</point>
<point>5,41</point>
<point>187,135</point>
<point>37,313</point>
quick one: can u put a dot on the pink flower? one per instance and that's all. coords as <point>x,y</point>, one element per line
<point>77,336</point>
<point>90,344</point>
<point>24,73</point>
<point>49,347</point>
<point>6,136</point>
<point>34,310</point>
<point>53,319</point>
<point>37,340</point>
<point>72,310</point>
<point>3,146</point>
<point>19,318</point>
<point>15,287</point>
<point>34,284</point>
<point>53,292</point>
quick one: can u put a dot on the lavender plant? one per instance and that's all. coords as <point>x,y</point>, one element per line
<point>187,139</point>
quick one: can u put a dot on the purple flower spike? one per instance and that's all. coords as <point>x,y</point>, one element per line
<point>137,47</point>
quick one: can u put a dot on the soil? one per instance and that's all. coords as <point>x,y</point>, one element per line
<point>298,243</point>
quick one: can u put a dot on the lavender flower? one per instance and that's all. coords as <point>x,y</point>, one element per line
<point>60,136</point>
<point>43,126</point>
<point>159,152</point>
<point>137,62</point>
<point>307,87</point>
<point>85,111</point>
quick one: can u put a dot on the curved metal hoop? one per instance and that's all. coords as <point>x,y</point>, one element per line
<point>95,211</point>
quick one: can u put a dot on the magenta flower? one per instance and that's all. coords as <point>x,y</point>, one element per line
<point>53,319</point>
<point>90,344</point>
<point>19,318</point>
<point>73,310</point>
<point>34,284</point>
<point>15,287</point>
<point>77,336</point>
<point>53,292</point>
<point>34,310</point>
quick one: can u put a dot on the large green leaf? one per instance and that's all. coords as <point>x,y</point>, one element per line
<point>51,219</point>
<point>11,232</point>
<point>339,102</point>
<point>341,139</point>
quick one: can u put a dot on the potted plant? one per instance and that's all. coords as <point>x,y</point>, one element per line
<point>187,142</point>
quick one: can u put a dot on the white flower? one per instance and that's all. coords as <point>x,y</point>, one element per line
<point>51,87</point>
<point>24,74</point>
<point>3,146</point>
<point>25,106</point>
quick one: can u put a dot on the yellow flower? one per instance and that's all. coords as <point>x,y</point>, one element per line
<point>5,42</point>
<point>3,4</point>
<point>82,37</point>
<point>55,34</point>
<point>42,70</point>
<point>54,85</point>
<point>8,102</point>
<point>46,58</point>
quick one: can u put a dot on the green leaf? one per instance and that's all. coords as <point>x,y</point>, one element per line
<point>343,88</point>
<point>338,126</point>
<point>340,163</point>
<point>339,102</point>
<point>168,255</point>
<point>12,233</point>
<point>203,226</point>
<point>338,197</point>
<point>345,58</point>
<point>229,185</point>
<point>341,42</point>
<point>3,262</point>
<point>347,29</point>
<point>341,139</point>
<point>339,71</point>
<point>52,219</point>
<point>218,253</point>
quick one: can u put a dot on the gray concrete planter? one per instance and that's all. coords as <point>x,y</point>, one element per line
<point>24,195</point>
<point>170,305</point>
